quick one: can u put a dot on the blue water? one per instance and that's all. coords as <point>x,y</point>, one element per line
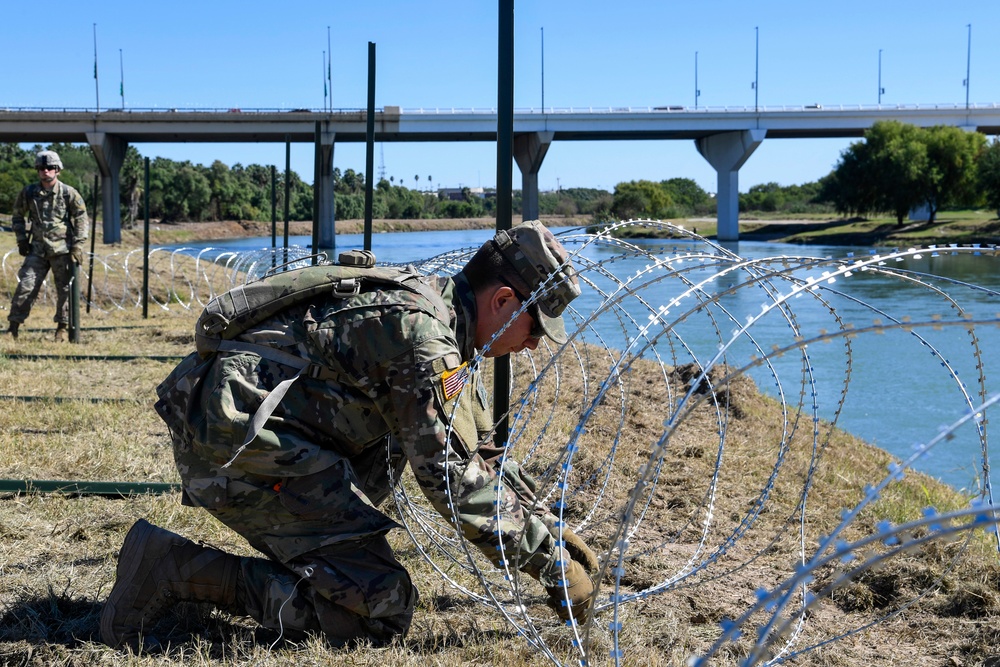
<point>899,392</point>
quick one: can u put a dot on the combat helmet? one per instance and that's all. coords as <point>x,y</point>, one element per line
<point>48,159</point>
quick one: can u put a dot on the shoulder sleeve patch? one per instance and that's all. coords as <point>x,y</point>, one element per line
<point>453,381</point>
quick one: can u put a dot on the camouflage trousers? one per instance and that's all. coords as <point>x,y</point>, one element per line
<point>351,592</point>
<point>30,279</point>
<point>351,587</point>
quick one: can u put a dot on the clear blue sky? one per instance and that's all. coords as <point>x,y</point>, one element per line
<point>253,54</point>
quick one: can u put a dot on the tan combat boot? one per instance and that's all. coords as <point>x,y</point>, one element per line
<point>61,332</point>
<point>156,568</point>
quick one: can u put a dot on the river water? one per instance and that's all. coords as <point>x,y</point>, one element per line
<point>903,385</point>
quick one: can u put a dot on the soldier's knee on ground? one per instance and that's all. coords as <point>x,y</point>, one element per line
<point>284,600</point>
<point>390,605</point>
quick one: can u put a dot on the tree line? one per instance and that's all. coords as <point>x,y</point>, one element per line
<point>896,168</point>
<point>183,191</point>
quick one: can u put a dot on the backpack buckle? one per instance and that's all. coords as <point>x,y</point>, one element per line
<point>346,287</point>
<point>213,324</point>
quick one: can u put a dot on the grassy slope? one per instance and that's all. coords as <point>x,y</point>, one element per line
<point>58,553</point>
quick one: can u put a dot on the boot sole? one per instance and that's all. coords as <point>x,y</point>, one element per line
<point>131,553</point>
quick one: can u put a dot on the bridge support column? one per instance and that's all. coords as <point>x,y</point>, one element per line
<point>324,180</point>
<point>727,152</point>
<point>109,151</point>
<point>529,151</point>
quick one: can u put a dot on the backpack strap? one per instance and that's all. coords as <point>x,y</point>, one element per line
<point>271,401</point>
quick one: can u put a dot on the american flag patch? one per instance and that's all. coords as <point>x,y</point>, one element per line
<point>453,381</point>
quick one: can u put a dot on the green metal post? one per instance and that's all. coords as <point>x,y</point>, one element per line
<point>145,239</point>
<point>370,147</point>
<point>317,171</point>
<point>505,175</point>
<point>93,238</point>
<point>74,305</point>
<point>288,191</point>
<point>274,216</point>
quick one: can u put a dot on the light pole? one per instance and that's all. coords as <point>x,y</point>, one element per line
<point>756,69</point>
<point>121,87</point>
<point>968,65</point>
<point>97,90</point>
<point>697,93</point>
<point>329,67</point>
<point>543,69</point>
<point>881,90</point>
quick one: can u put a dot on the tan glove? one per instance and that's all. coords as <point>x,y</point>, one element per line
<point>77,253</point>
<point>23,248</point>
<point>577,593</point>
<point>579,551</point>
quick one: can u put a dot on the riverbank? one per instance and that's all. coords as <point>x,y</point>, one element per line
<point>183,232</point>
<point>960,227</point>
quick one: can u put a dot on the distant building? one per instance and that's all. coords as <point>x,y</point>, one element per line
<point>458,194</point>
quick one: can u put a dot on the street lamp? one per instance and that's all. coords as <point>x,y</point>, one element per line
<point>121,85</point>
<point>968,65</point>
<point>756,69</point>
<point>543,69</point>
<point>697,93</point>
<point>881,90</point>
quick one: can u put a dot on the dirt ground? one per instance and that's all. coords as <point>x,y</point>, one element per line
<point>230,229</point>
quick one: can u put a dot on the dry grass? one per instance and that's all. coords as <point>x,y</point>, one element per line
<point>58,553</point>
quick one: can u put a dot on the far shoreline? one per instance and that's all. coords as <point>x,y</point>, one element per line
<point>958,227</point>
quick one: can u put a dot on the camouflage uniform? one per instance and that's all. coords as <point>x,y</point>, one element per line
<point>305,490</point>
<point>53,221</point>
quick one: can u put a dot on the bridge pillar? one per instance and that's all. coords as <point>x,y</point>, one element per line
<point>324,191</point>
<point>109,151</point>
<point>727,152</point>
<point>529,151</point>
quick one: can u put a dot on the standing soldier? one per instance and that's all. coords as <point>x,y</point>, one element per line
<point>50,222</point>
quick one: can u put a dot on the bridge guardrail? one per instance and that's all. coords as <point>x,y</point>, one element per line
<point>666,109</point>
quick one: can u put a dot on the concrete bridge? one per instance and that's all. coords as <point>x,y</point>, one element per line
<point>725,136</point>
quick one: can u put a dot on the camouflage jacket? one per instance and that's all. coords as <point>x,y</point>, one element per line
<point>53,220</point>
<point>394,364</point>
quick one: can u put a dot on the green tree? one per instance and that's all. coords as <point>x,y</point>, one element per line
<point>15,173</point>
<point>883,173</point>
<point>184,191</point>
<point>988,176</point>
<point>950,176</point>
<point>640,199</point>
<point>350,183</point>
<point>689,198</point>
<point>131,185</point>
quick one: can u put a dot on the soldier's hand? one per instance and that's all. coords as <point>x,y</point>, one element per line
<point>77,253</point>
<point>576,594</point>
<point>23,248</point>
<point>580,552</point>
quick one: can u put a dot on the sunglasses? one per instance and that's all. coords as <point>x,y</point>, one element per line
<point>47,168</point>
<point>536,329</point>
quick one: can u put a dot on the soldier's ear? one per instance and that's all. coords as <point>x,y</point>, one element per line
<point>500,297</point>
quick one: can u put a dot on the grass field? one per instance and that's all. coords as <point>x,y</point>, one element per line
<point>83,412</point>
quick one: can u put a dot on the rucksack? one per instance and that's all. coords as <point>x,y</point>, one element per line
<point>230,314</point>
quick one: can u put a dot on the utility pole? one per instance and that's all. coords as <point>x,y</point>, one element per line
<point>697,93</point>
<point>543,69</point>
<point>968,66</point>
<point>329,66</point>
<point>97,91</point>
<point>121,86</point>
<point>756,68</point>
<point>881,90</point>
